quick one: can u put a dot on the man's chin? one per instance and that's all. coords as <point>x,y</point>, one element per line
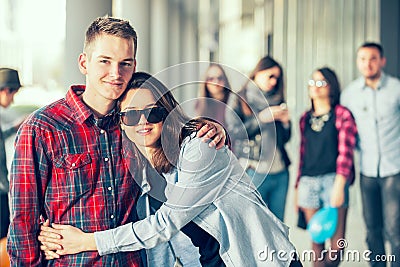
<point>371,76</point>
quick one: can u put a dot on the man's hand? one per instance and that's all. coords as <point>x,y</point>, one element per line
<point>215,132</point>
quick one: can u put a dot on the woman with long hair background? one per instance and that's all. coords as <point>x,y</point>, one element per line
<point>261,132</point>
<point>213,94</point>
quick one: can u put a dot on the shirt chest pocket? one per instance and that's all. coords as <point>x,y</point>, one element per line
<point>387,108</point>
<point>73,175</point>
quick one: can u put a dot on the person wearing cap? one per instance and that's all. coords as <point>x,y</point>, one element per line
<point>9,86</point>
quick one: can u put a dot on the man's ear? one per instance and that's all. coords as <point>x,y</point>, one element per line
<point>82,61</point>
<point>383,62</point>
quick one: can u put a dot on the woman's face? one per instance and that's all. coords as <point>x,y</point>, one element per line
<point>267,79</point>
<point>143,133</point>
<point>215,80</point>
<point>318,87</point>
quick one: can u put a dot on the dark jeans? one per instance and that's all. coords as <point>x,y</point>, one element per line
<point>381,210</point>
<point>4,215</point>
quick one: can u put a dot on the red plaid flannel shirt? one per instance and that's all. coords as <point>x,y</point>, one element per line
<point>347,134</point>
<point>68,169</point>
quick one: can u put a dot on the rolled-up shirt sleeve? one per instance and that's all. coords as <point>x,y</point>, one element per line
<point>347,134</point>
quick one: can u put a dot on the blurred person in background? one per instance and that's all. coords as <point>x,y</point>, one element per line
<point>326,169</point>
<point>9,86</point>
<point>374,100</point>
<point>263,113</point>
<point>213,94</point>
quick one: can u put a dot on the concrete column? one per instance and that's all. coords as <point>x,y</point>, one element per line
<point>189,53</point>
<point>79,14</point>
<point>138,13</point>
<point>190,32</point>
<point>174,35</point>
<point>159,35</point>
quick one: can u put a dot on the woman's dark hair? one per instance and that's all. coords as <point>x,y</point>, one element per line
<point>172,136</point>
<point>268,62</point>
<point>334,86</point>
<point>202,105</point>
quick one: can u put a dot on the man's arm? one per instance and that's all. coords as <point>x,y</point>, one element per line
<point>25,199</point>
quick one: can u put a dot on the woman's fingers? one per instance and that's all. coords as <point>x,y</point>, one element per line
<point>50,255</point>
<point>50,232</point>
<point>218,141</point>
<point>60,226</point>
<point>205,130</point>
<point>213,132</point>
<point>49,243</point>
<point>50,235</point>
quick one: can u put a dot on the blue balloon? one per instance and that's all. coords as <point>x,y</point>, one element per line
<point>322,225</point>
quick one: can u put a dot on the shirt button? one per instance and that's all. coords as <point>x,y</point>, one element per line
<point>112,216</point>
<point>105,159</point>
<point>109,188</point>
<point>102,131</point>
<point>73,164</point>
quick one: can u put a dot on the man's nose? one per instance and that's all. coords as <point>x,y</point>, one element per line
<point>115,71</point>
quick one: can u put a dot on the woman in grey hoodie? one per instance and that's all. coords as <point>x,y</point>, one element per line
<point>259,125</point>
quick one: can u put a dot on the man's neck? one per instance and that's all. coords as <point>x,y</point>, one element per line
<point>373,82</point>
<point>99,108</point>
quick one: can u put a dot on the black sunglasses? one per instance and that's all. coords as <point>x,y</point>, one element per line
<point>152,115</point>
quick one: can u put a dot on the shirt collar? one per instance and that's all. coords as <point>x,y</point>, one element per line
<point>83,112</point>
<point>381,83</point>
<point>107,121</point>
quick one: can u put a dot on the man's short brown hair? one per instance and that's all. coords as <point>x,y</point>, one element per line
<point>111,26</point>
